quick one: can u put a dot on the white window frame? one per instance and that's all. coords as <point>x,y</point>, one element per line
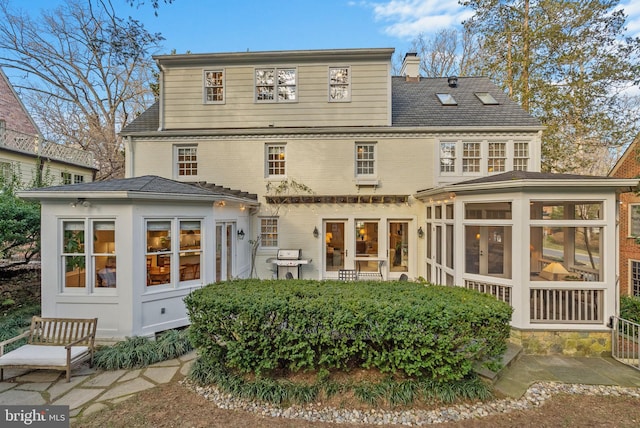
<point>521,150</point>
<point>206,84</point>
<point>445,147</point>
<point>276,85</point>
<point>370,162</point>
<point>630,220</point>
<point>477,158</point>
<point>269,232</point>
<point>77,178</point>
<point>89,253</point>
<point>271,165</point>
<point>176,153</point>
<point>634,283</point>
<point>66,178</point>
<point>332,85</point>
<point>496,152</point>
<point>6,170</point>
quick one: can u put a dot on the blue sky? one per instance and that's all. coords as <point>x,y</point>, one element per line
<point>204,26</point>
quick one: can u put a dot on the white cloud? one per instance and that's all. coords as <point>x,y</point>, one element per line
<point>406,19</point>
<point>632,10</point>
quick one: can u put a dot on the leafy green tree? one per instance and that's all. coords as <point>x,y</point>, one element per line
<point>570,64</point>
<point>19,225</point>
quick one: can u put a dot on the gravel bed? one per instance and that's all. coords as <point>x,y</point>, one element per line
<point>534,397</point>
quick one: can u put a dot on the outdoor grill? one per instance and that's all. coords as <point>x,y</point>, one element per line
<point>288,261</point>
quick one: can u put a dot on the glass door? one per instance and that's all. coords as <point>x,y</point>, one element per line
<point>334,246</point>
<point>225,249</point>
<point>398,247</point>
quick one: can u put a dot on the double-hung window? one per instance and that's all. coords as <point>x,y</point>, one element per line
<point>448,157</point>
<point>66,177</point>
<point>269,232</point>
<point>78,179</point>
<point>96,256</point>
<point>187,161</point>
<point>520,156</point>
<point>214,86</point>
<point>635,278</point>
<point>276,160</point>
<point>339,84</point>
<point>6,171</point>
<point>471,156</point>
<point>497,157</point>
<point>276,84</point>
<point>365,160</point>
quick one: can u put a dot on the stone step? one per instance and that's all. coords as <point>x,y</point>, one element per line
<point>511,355</point>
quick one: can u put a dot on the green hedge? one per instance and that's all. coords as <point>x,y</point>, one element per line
<point>429,332</point>
<point>630,308</point>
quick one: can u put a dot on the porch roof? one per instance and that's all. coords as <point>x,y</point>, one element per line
<point>513,180</point>
<point>145,187</point>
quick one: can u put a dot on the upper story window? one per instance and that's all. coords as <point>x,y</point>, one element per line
<point>5,171</point>
<point>447,100</point>
<point>497,157</point>
<point>365,159</point>
<point>269,232</point>
<point>276,160</point>
<point>276,84</point>
<point>187,161</point>
<point>471,156</point>
<point>339,84</point>
<point>78,178</point>
<point>213,86</point>
<point>634,220</point>
<point>447,157</point>
<point>66,177</point>
<point>520,156</point>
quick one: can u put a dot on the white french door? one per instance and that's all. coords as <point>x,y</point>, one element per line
<point>225,250</point>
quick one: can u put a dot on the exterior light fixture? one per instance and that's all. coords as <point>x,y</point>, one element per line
<point>241,234</point>
<point>315,232</point>
<point>420,232</point>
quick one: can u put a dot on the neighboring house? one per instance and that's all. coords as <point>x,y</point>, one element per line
<point>429,178</point>
<point>26,156</point>
<point>628,166</point>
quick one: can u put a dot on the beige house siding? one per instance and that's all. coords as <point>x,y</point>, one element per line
<point>184,108</point>
<point>325,164</point>
<point>25,167</point>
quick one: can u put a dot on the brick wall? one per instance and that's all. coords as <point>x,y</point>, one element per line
<point>628,167</point>
<point>12,111</point>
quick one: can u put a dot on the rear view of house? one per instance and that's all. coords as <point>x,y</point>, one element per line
<point>357,170</point>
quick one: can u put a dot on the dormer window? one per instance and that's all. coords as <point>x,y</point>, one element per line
<point>447,100</point>
<point>486,98</point>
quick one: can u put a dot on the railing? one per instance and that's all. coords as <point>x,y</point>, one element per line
<point>625,342</point>
<point>566,306</point>
<point>585,273</point>
<point>500,292</point>
<point>27,143</point>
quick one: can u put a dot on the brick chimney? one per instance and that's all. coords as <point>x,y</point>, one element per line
<point>411,67</point>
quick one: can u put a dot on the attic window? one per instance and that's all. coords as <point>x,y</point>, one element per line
<point>486,98</point>
<point>447,100</point>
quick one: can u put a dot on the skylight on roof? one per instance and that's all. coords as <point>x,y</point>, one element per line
<point>486,98</point>
<point>447,100</point>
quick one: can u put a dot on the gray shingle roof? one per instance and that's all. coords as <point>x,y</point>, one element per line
<point>526,175</point>
<point>415,104</point>
<point>150,184</point>
<point>149,120</point>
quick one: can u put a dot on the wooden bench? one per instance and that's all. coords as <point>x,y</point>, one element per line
<point>52,343</point>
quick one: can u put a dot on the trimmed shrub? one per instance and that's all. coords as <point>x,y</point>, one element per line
<point>425,332</point>
<point>630,308</point>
